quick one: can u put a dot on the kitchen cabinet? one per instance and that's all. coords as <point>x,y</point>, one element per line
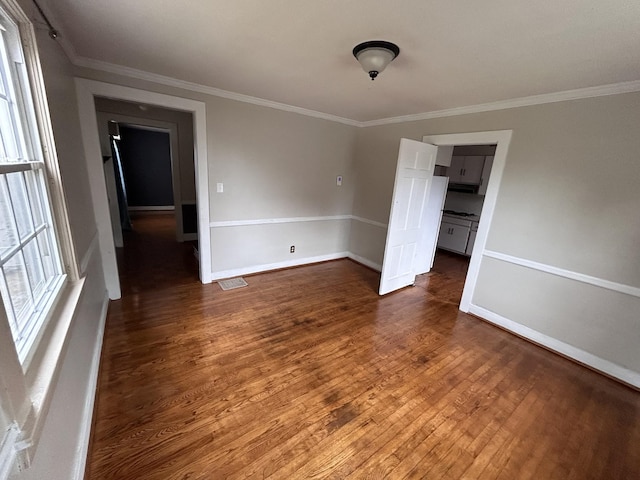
<point>486,171</point>
<point>472,238</point>
<point>452,236</point>
<point>466,169</point>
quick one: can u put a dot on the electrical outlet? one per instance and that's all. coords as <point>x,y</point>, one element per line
<point>293,249</point>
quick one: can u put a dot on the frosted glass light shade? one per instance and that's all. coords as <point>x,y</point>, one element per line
<point>374,56</point>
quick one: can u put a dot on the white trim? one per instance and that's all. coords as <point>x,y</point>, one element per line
<point>275,266</point>
<point>270,221</point>
<point>562,96</point>
<point>86,91</point>
<point>92,387</point>
<point>86,258</point>
<point>153,208</point>
<point>8,450</point>
<point>365,261</point>
<point>576,94</point>
<point>370,222</point>
<point>600,364</point>
<point>501,138</point>
<point>213,91</point>
<point>561,272</point>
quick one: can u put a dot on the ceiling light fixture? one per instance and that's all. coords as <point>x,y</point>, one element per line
<point>375,55</point>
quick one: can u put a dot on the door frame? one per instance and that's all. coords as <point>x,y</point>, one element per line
<point>142,123</point>
<point>501,138</point>
<point>86,91</point>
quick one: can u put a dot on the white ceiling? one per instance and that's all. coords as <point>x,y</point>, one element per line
<point>453,53</point>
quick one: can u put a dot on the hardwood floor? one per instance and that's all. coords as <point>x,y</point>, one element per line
<point>307,373</point>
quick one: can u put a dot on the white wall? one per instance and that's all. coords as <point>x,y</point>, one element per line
<point>60,451</point>
<point>569,200</point>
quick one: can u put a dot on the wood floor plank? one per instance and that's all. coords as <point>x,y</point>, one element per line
<point>308,373</point>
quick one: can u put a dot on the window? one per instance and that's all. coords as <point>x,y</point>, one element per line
<point>31,271</point>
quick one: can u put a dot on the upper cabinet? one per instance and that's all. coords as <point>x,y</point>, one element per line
<point>466,169</point>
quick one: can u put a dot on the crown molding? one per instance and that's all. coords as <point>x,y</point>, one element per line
<point>196,87</point>
<point>577,94</point>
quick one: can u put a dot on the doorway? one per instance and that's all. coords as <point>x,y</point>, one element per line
<point>501,140</point>
<point>87,91</point>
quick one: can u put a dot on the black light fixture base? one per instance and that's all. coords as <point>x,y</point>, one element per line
<point>376,44</point>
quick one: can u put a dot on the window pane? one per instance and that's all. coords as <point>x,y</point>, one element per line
<point>36,195</point>
<point>8,145</point>
<point>49,263</point>
<point>8,233</point>
<point>21,208</point>
<point>35,270</point>
<point>4,291</point>
<point>15,271</point>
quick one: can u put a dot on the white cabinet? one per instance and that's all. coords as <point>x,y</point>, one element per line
<point>472,238</point>
<point>453,237</point>
<point>486,171</point>
<point>466,169</point>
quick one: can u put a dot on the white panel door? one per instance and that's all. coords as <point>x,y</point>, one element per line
<point>414,171</point>
<point>431,224</point>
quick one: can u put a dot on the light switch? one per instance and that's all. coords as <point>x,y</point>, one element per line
<point>339,180</point>
<point>219,187</point>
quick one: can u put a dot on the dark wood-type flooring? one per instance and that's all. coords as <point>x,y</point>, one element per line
<point>308,373</point>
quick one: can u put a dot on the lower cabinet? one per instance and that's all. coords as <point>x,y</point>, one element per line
<point>453,237</point>
<point>472,238</point>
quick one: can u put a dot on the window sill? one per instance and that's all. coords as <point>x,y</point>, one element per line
<point>43,371</point>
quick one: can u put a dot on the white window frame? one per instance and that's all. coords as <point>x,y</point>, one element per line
<point>27,381</point>
<point>22,167</point>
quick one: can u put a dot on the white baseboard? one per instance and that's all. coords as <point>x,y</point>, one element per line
<point>365,261</point>
<point>275,266</point>
<point>600,364</point>
<point>92,386</point>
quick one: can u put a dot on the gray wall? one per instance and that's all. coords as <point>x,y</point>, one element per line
<point>569,198</point>
<point>275,166</point>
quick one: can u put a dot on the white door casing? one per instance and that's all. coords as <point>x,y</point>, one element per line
<point>501,138</point>
<point>86,90</point>
<point>416,162</point>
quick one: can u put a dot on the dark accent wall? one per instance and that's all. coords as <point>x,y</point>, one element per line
<point>146,161</point>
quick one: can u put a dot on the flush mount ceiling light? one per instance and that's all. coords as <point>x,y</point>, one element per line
<point>375,55</point>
